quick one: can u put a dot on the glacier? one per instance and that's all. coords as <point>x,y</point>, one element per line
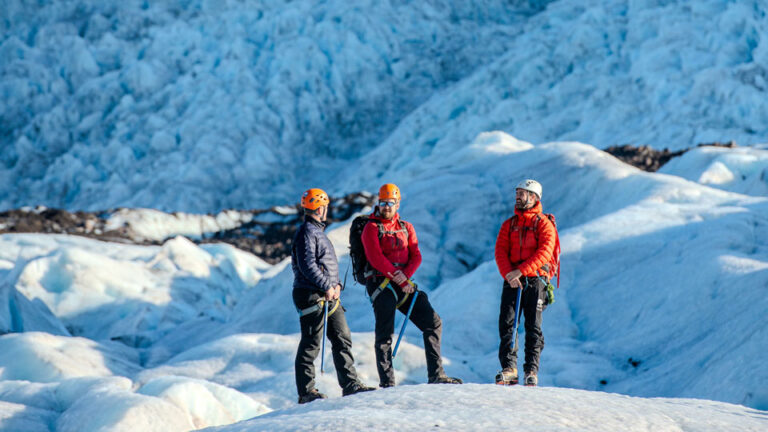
<point>201,106</point>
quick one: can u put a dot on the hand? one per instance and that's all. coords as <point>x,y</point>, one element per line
<point>407,287</point>
<point>513,278</point>
<point>333,293</point>
<point>399,277</point>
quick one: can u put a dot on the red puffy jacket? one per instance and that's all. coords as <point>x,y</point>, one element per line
<point>527,245</point>
<point>395,251</point>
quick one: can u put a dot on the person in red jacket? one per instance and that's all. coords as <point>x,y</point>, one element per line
<point>392,250</point>
<point>524,246</point>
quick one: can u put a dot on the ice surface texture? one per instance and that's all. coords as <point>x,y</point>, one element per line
<point>203,105</point>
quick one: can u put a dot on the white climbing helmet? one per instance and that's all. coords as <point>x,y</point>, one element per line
<point>530,186</point>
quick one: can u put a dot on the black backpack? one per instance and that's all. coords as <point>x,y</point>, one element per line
<point>360,266</point>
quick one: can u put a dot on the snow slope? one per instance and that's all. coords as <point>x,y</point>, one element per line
<point>665,251</point>
<point>663,294</point>
<point>492,408</point>
<point>742,170</point>
<point>123,292</point>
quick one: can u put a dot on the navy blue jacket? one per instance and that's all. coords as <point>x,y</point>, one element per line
<point>313,258</point>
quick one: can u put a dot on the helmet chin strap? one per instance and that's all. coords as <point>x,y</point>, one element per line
<point>529,204</point>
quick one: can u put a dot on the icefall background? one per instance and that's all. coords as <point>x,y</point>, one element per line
<point>205,105</point>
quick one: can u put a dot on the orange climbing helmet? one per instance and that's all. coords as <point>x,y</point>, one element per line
<point>314,198</point>
<point>389,191</point>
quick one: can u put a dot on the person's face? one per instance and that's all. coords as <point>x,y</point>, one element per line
<point>388,208</point>
<point>524,199</point>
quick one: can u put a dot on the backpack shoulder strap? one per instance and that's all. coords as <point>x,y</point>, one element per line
<point>404,227</point>
<point>511,221</point>
<point>542,216</point>
<point>383,230</point>
<point>380,227</point>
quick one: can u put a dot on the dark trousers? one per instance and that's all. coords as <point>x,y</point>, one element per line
<point>532,304</point>
<point>423,316</point>
<point>311,340</point>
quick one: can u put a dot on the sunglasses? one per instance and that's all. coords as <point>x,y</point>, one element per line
<point>387,203</point>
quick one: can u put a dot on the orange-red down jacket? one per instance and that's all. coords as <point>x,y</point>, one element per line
<point>527,245</point>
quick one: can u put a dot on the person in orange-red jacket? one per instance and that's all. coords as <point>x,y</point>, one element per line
<point>392,252</point>
<point>524,246</point>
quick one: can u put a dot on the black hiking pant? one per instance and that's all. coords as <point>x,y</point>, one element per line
<point>423,316</point>
<point>532,304</point>
<point>311,340</point>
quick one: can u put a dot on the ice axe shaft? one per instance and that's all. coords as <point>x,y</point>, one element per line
<point>407,317</point>
<point>517,316</point>
<point>325,325</point>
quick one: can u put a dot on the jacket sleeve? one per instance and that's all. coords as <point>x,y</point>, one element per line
<point>414,254</point>
<point>306,252</point>
<point>545,249</point>
<point>373,252</point>
<point>502,249</point>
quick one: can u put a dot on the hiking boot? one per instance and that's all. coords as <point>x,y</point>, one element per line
<point>311,396</point>
<point>445,380</point>
<point>357,387</point>
<point>531,380</point>
<point>507,376</point>
<point>387,385</point>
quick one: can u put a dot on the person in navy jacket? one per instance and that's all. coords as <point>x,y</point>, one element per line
<point>316,281</point>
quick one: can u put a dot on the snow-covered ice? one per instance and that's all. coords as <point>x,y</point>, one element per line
<point>200,106</point>
<point>663,296</point>
<point>742,170</point>
<point>476,407</point>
